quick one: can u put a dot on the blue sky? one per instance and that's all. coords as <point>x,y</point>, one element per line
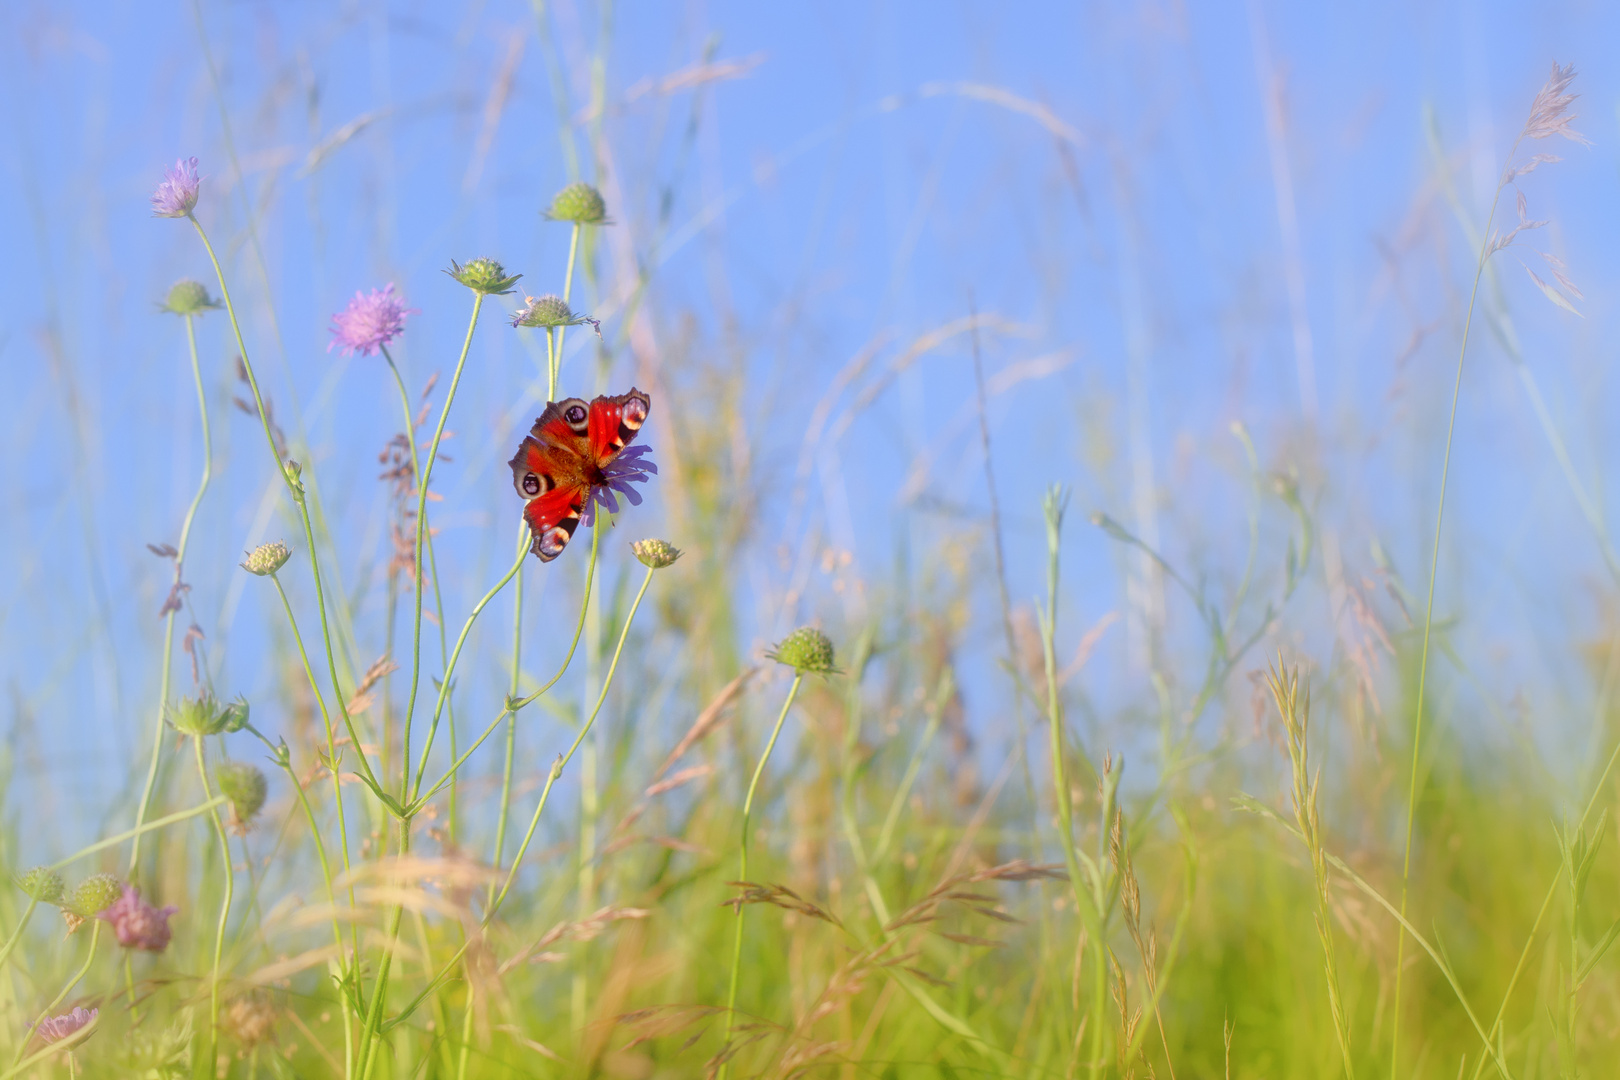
<point>1098,181</point>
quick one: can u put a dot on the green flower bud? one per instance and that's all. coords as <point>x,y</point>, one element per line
<point>95,894</point>
<point>546,311</point>
<point>233,717</point>
<point>579,203</point>
<point>245,786</point>
<point>483,275</point>
<point>42,884</point>
<point>198,715</point>
<point>807,650</point>
<point>266,559</point>
<point>656,554</point>
<point>189,298</point>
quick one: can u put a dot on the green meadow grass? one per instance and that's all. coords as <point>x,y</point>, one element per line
<point>883,891</point>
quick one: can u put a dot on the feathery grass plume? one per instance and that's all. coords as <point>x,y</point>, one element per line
<point>41,883</point>
<point>579,203</point>
<point>485,276</point>
<point>369,322</point>
<point>176,194</point>
<point>266,559</point>
<point>1293,699</point>
<point>188,298</point>
<point>54,1029</point>
<point>138,924</point>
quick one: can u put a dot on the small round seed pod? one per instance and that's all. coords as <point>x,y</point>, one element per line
<point>42,884</point>
<point>579,203</point>
<point>95,894</point>
<point>656,554</point>
<point>483,275</point>
<point>246,787</point>
<point>807,650</point>
<point>189,298</point>
<point>266,559</point>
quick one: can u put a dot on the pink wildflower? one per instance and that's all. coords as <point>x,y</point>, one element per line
<point>56,1028</point>
<point>369,322</point>
<point>138,924</point>
<point>177,195</point>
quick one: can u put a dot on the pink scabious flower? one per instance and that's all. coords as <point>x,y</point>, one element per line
<point>138,924</point>
<point>631,466</point>
<point>56,1028</point>
<point>177,195</point>
<point>369,322</point>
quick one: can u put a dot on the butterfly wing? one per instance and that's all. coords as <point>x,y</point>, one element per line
<point>561,458</point>
<point>552,519</point>
<point>614,421</point>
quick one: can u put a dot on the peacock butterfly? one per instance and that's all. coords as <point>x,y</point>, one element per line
<point>575,458</point>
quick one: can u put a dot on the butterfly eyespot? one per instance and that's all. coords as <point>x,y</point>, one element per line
<point>574,414</point>
<point>552,541</point>
<point>531,484</point>
<point>635,412</point>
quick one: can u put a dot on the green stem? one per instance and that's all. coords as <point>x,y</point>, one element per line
<point>568,288</point>
<point>84,969</point>
<point>504,813</point>
<point>424,477</point>
<point>747,815</point>
<point>224,908</point>
<point>1428,624</point>
<point>155,823</point>
<point>512,707</point>
<point>455,656</point>
<point>168,629</point>
<point>16,935</point>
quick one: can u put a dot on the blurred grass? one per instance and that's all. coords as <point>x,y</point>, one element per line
<point>898,927</point>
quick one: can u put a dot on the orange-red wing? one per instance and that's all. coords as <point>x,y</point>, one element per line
<point>614,422</point>
<point>552,519</point>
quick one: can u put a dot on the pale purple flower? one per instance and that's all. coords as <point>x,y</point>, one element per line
<point>56,1028</point>
<point>176,196</point>
<point>369,322</point>
<point>632,466</point>
<point>138,924</point>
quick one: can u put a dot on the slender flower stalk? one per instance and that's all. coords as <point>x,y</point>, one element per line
<point>742,862</point>
<point>224,907</point>
<point>179,565</point>
<point>51,1034</point>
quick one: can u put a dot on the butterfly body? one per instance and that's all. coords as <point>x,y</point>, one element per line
<point>572,457</point>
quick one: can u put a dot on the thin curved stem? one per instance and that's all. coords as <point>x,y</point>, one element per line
<point>84,969</point>
<point>511,719</point>
<point>22,924</point>
<point>742,873</point>
<point>568,288</point>
<point>1428,625</point>
<point>424,477</point>
<point>450,668</point>
<point>224,907</point>
<point>513,707</point>
<point>179,564</point>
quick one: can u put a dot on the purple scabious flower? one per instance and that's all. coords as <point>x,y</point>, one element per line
<point>138,924</point>
<point>56,1028</point>
<point>369,322</point>
<point>632,466</point>
<point>177,195</point>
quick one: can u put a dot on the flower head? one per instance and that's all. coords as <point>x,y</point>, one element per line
<point>56,1028</point>
<point>137,924</point>
<point>266,559</point>
<point>807,650</point>
<point>245,786</point>
<point>188,298</point>
<point>369,322</point>
<point>42,884</point>
<point>177,194</point>
<point>632,466</point>
<point>656,554</point>
<point>205,715</point>
<point>483,275</point>
<point>579,203</point>
<point>548,311</point>
<point>95,894</point>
